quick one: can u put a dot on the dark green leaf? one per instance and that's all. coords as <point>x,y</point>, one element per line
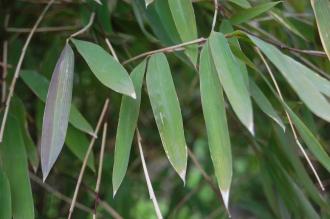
<point>14,164</point>
<point>5,197</point>
<point>128,117</point>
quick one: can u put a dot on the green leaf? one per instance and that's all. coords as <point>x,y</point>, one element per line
<point>14,164</point>
<point>18,110</point>
<point>167,112</point>
<point>299,77</point>
<point>245,15</point>
<point>39,85</point>
<point>232,79</point>
<point>128,117</point>
<point>216,123</point>
<point>264,104</point>
<point>278,16</point>
<point>312,143</point>
<point>241,3</point>
<point>57,110</point>
<point>184,18</point>
<point>109,72</point>
<point>322,14</point>
<point>78,144</point>
<point>5,197</point>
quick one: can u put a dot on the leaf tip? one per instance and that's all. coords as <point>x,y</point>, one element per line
<point>225,197</point>
<point>133,95</point>
<point>182,175</point>
<point>114,193</point>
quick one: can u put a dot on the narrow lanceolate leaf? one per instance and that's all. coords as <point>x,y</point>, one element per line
<point>109,72</point>
<point>14,165</point>
<point>264,104</point>
<point>312,143</point>
<point>128,116</point>
<point>184,18</point>
<point>242,3</point>
<point>18,110</point>
<point>167,112</point>
<point>245,15</point>
<point>5,197</point>
<point>232,79</point>
<point>216,123</point>
<point>57,110</point>
<point>322,14</point>
<point>78,143</point>
<point>39,85</point>
<point>308,90</point>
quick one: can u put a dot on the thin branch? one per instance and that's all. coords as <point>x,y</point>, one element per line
<point>99,174</point>
<point>166,49</point>
<point>57,194</point>
<point>207,178</point>
<point>289,119</point>
<point>216,6</point>
<point>18,68</point>
<point>85,28</point>
<point>42,29</point>
<point>5,71</point>
<point>111,49</point>
<point>149,185</point>
<point>90,147</point>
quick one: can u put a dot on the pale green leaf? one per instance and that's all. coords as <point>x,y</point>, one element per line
<point>245,15</point>
<point>39,85</point>
<point>57,110</point>
<point>299,77</point>
<point>184,18</point>
<point>5,197</point>
<point>232,79</point>
<point>167,112</point>
<point>148,2</point>
<point>128,117</point>
<point>322,14</point>
<point>214,112</point>
<point>14,164</point>
<point>109,72</point>
<point>264,104</point>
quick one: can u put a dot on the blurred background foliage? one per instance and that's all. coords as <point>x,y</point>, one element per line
<point>271,179</point>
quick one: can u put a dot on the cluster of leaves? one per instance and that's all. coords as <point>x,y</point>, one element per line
<point>247,151</point>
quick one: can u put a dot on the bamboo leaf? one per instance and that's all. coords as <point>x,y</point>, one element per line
<point>167,112</point>
<point>5,197</point>
<point>264,104</point>
<point>78,144</point>
<point>308,90</point>
<point>232,79</point>
<point>14,164</point>
<point>312,143</point>
<point>216,123</point>
<point>57,110</point>
<point>109,72</point>
<point>18,110</point>
<point>245,15</point>
<point>242,3</point>
<point>128,117</point>
<point>184,18</point>
<point>39,85</point>
<point>322,14</point>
